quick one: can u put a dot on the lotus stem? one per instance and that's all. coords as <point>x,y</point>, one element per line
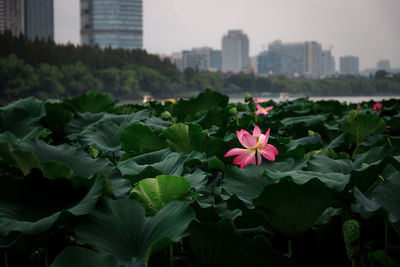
<point>290,248</point>
<point>46,257</point>
<point>388,136</point>
<point>353,263</point>
<point>5,259</point>
<point>371,253</point>
<point>236,119</point>
<point>385,255</point>
<point>357,132</point>
<point>171,255</point>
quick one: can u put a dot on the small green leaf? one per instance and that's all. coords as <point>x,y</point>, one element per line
<point>155,193</point>
<point>138,139</point>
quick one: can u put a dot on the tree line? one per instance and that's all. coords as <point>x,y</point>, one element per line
<point>45,69</point>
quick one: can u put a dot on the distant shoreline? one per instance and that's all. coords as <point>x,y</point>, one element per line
<point>347,99</point>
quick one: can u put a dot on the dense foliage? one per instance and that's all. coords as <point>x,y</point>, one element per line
<point>84,182</point>
<point>45,69</point>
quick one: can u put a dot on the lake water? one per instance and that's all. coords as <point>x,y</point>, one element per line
<point>347,99</point>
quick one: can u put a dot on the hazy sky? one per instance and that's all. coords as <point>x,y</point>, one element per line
<point>369,29</point>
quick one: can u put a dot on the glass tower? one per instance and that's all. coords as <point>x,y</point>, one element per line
<point>12,16</point>
<point>39,19</point>
<point>235,51</point>
<point>112,23</point>
<point>349,65</point>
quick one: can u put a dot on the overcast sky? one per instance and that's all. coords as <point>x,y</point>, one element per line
<point>369,29</point>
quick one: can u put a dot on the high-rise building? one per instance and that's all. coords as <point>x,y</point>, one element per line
<point>216,58</point>
<point>235,51</point>
<point>268,63</point>
<point>327,63</point>
<point>383,64</point>
<point>112,23</point>
<point>197,58</point>
<point>312,58</point>
<point>349,65</point>
<point>282,58</point>
<point>12,16</point>
<point>34,18</point>
<point>39,19</point>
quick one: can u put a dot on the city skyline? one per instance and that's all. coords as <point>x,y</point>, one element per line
<point>366,29</point>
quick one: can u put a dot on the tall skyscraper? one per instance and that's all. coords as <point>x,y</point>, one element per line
<point>349,65</point>
<point>327,63</point>
<point>282,58</point>
<point>112,23</point>
<point>383,64</point>
<point>39,19</point>
<point>12,16</point>
<point>312,58</point>
<point>34,18</point>
<point>235,51</point>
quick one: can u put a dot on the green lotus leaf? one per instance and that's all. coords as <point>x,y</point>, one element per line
<point>339,140</point>
<point>322,163</point>
<point>20,120</point>
<point>375,154</point>
<point>120,228</point>
<point>220,244</point>
<point>307,143</point>
<point>82,257</point>
<point>31,205</point>
<point>80,122</point>
<point>329,106</point>
<point>62,161</point>
<point>366,176</point>
<point>359,126</point>
<point>25,161</point>
<point>92,102</point>
<point>158,162</point>
<point>105,132</point>
<point>197,179</point>
<point>305,120</point>
<point>382,199</point>
<point>57,116</point>
<point>156,123</point>
<point>138,139</point>
<point>334,181</point>
<point>291,208</point>
<point>155,193</point>
<point>80,162</point>
<point>208,100</point>
<point>246,183</point>
<point>187,138</point>
<point>35,133</point>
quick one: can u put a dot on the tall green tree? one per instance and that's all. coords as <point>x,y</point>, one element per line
<point>16,78</point>
<point>50,78</point>
<point>77,79</point>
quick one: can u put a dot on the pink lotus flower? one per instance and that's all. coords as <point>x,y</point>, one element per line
<point>261,110</point>
<point>259,100</point>
<point>377,106</point>
<point>256,146</point>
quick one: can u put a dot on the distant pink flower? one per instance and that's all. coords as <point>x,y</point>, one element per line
<point>256,146</point>
<point>261,110</point>
<point>259,100</point>
<point>377,106</point>
<point>358,106</point>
